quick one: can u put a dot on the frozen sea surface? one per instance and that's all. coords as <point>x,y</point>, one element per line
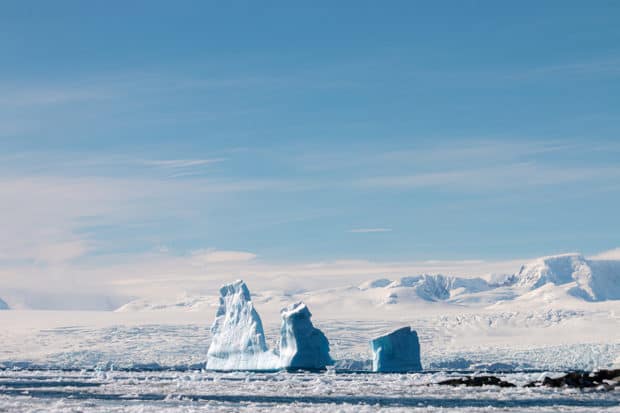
<point>115,391</point>
<point>557,340</point>
<point>144,362</point>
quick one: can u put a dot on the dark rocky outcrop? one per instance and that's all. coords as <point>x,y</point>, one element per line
<point>476,381</point>
<point>608,379</point>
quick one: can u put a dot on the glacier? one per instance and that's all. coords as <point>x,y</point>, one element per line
<point>238,341</point>
<point>396,352</point>
<point>302,346</point>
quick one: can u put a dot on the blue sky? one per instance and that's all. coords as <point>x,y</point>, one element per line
<point>307,133</point>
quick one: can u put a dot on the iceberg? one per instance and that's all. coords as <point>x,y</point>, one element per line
<point>302,346</point>
<point>238,341</point>
<point>397,352</point>
<point>3,305</point>
<point>238,338</point>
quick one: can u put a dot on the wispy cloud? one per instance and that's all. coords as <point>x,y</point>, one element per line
<point>444,154</point>
<point>180,163</point>
<point>520,175</point>
<point>211,256</point>
<point>613,254</point>
<point>609,65</point>
<point>369,230</point>
<point>45,219</point>
<point>50,95</point>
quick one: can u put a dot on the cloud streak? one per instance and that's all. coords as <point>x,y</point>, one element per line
<point>369,230</point>
<point>212,256</point>
<point>180,163</point>
<point>503,177</point>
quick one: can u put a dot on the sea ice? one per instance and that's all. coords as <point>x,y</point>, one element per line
<point>396,352</point>
<point>238,341</point>
<point>302,346</point>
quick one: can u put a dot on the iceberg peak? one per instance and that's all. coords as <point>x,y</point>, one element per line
<point>238,338</point>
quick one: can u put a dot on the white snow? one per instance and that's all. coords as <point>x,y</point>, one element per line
<point>238,339</point>
<point>593,280</point>
<point>511,323</point>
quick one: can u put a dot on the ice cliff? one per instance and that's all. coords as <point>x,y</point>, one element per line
<point>238,339</point>
<point>302,346</point>
<point>396,352</point>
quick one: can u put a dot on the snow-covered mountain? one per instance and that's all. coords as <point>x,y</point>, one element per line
<point>562,280</point>
<point>556,277</point>
<point>427,287</point>
<point>591,280</point>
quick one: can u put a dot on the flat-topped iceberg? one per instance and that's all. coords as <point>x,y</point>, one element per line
<point>238,339</point>
<point>397,352</point>
<point>302,346</point>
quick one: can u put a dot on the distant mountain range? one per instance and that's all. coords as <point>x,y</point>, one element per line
<point>560,279</point>
<point>589,280</point>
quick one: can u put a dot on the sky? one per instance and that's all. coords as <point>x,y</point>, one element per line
<point>149,140</point>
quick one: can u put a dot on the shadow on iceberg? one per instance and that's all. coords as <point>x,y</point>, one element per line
<point>238,341</point>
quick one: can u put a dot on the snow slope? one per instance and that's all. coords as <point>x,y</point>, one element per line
<point>592,280</point>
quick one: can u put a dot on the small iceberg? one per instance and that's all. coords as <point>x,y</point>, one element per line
<point>238,338</point>
<point>397,352</point>
<point>302,346</point>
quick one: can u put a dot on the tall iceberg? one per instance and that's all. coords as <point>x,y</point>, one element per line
<point>238,339</point>
<point>302,346</point>
<point>397,352</point>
